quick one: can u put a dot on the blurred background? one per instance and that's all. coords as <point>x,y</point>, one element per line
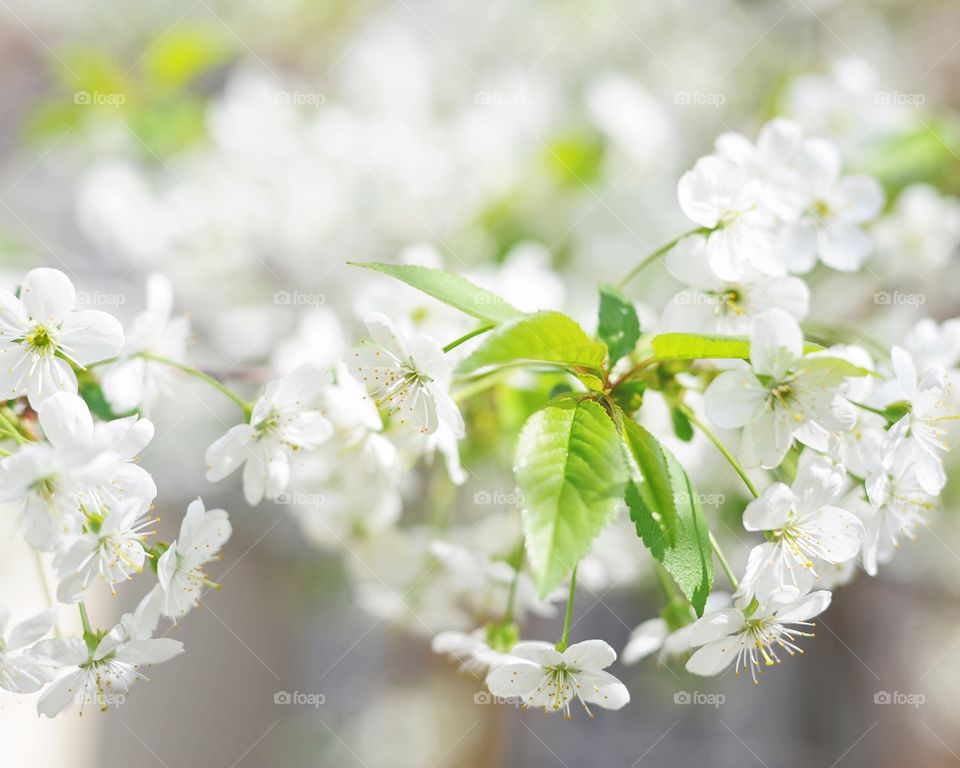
<point>248,149</point>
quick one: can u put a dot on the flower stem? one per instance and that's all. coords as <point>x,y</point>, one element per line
<point>517,563</point>
<point>657,254</point>
<point>686,410</point>
<point>562,645</point>
<point>869,408</point>
<point>87,630</point>
<point>467,336</point>
<point>197,373</point>
<point>7,424</point>
<point>723,562</point>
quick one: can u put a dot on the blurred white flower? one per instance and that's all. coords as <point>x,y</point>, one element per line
<point>548,679</point>
<point>921,233</point>
<point>135,382</point>
<point>42,333</point>
<point>20,671</point>
<point>180,569</point>
<point>284,419</point>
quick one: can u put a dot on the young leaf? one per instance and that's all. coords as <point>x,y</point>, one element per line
<point>544,337</point>
<point>450,289</point>
<point>668,516</point>
<point>694,346</point>
<point>618,324</point>
<point>571,477</point>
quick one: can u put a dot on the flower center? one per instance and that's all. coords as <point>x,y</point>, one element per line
<point>41,340</point>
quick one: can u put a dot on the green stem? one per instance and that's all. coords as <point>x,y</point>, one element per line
<point>87,630</point>
<point>517,563</point>
<point>685,409</point>
<point>467,336</point>
<point>8,426</point>
<point>657,254</point>
<point>563,644</point>
<point>869,408</point>
<point>723,562</point>
<point>197,373</point>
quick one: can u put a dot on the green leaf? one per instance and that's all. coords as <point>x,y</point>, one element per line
<point>618,324</point>
<point>544,337</point>
<point>682,427</point>
<point>668,516</point>
<point>571,477</point>
<point>835,369</point>
<point>694,346</point>
<point>450,289</point>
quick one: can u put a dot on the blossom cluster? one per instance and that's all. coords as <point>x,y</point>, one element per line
<point>85,503</point>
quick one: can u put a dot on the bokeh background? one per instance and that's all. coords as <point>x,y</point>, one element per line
<point>248,149</point>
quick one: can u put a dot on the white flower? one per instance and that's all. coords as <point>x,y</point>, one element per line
<point>472,651</point>
<point>357,422</point>
<point>80,463</point>
<point>921,233</point>
<point>654,635</point>
<point>180,569</point>
<point>921,429</point>
<point>135,382</point>
<point>284,420</point>
<point>713,305</point>
<point>804,527</point>
<point>111,547</point>
<point>41,333</point>
<point>932,345</point>
<point>407,377</point>
<point>753,640</point>
<point>110,668</point>
<point>897,505</point>
<point>784,395</point>
<point>722,194</point>
<point>836,208</point>
<point>550,679</point>
<point>21,672</point>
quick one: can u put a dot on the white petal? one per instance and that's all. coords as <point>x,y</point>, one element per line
<point>590,654</point>
<point>90,336</point>
<point>48,295</point>
<point>734,397</point>
<point>771,511</point>
<point>776,342</point>
<point>712,659</point>
<point>806,608</point>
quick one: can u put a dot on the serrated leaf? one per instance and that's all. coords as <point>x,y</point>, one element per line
<point>544,337</point>
<point>451,289</point>
<point>571,477</point>
<point>618,325</point>
<point>695,346</point>
<point>668,516</point>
